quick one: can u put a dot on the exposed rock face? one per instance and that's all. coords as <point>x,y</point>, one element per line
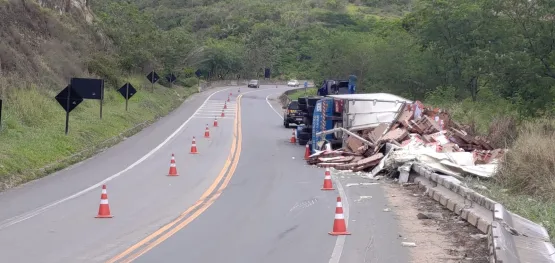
<point>66,6</point>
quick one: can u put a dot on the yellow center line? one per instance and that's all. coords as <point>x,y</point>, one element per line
<point>159,235</point>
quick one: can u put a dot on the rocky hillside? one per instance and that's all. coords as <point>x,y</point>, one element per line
<point>45,42</point>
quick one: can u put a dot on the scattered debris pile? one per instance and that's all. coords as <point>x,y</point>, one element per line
<point>418,134</point>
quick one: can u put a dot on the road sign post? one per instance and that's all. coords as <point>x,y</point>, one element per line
<point>89,89</point>
<point>68,99</point>
<point>153,78</point>
<point>171,78</point>
<point>305,86</point>
<point>127,91</point>
<point>126,95</point>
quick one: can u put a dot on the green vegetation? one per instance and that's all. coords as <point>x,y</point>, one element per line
<point>33,140</point>
<point>301,92</point>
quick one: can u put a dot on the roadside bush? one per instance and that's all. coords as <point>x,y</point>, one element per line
<point>190,82</point>
<point>529,166</point>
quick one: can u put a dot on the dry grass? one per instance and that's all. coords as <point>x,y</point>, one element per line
<point>529,167</point>
<point>40,46</point>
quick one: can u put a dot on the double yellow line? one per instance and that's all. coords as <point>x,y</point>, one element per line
<point>205,201</point>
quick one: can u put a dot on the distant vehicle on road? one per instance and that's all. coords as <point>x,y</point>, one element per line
<point>292,114</point>
<point>293,83</point>
<point>253,83</point>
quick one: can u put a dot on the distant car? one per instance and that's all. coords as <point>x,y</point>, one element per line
<point>293,83</point>
<point>292,114</point>
<point>253,84</point>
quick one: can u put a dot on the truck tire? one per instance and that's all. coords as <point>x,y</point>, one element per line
<point>286,124</point>
<point>302,142</point>
<point>304,135</point>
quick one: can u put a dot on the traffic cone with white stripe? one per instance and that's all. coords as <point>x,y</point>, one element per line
<point>104,208</point>
<point>339,225</point>
<point>173,167</point>
<point>222,115</point>
<point>225,105</point>
<point>293,139</point>
<point>307,152</point>
<point>206,132</point>
<point>230,94</point>
<point>327,181</point>
<point>194,146</point>
<point>228,99</point>
<point>215,122</point>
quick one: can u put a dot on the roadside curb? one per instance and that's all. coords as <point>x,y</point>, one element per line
<point>511,238</point>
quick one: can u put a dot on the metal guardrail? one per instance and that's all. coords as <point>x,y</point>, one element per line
<point>511,238</point>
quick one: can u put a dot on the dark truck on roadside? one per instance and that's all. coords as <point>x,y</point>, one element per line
<point>292,114</point>
<point>329,114</point>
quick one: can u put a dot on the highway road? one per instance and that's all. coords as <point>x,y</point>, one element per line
<point>246,197</point>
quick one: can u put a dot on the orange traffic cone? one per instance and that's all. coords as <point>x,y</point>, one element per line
<point>327,181</point>
<point>215,122</point>
<point>104,208</point>
<point>293,139</point>
<point>225,105</point>
<point>194,146</point>
<point>307,152</point>
<point>222,115</point>
<point>339,225</point>
<point>173,168</point>
<point>228,99</point>
<point>206,132</point>
<point>230,94</point>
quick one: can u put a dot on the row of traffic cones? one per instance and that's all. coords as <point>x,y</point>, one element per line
<point>339,224</point>
<point>104,208</point>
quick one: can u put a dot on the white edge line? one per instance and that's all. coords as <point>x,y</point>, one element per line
<point>340,241</point>
<point>272,107</point>
<point>20,218</point>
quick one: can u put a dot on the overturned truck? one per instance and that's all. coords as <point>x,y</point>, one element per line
<point>377,131</point>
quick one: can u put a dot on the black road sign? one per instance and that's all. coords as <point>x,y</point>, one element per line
<point>88,88</point>
<point>123,91</point>
<point>74,99</point>
<point>127,91</point>
<point>198,73</point>
<point>267,73</point>
<point>152,77</point>
<point>171,78</point>
<point>69,100</point>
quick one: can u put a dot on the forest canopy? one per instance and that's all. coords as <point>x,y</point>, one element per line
<point>498,50</point>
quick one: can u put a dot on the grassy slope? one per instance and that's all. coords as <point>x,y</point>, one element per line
<point>299,93</point>
<point>33,137</point>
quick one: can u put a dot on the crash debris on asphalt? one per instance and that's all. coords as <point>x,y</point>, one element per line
<point>418,134</point>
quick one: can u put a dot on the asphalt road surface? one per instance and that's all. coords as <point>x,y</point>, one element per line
<point>246,197</point>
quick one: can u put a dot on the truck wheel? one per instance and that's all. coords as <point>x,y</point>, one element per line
<point>302,142</point>
<point>286,124</point>
<point>304,135</point>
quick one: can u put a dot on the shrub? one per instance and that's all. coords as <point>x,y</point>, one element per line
<point>529,166</point>
<point>190,82</point>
